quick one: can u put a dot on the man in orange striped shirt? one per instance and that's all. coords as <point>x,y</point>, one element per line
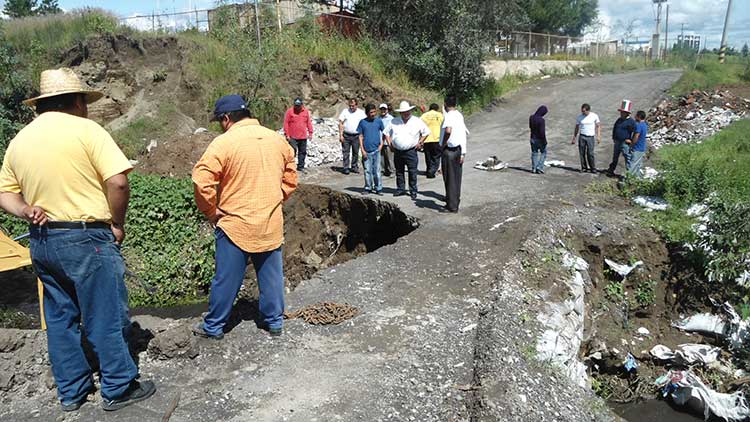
<point>241,182</point>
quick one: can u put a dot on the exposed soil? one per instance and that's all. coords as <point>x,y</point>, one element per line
<point>175,156</point>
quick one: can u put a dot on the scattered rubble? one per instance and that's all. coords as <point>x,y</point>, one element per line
<point>694,117</point>
<point>325,147</point>
<point>491,164</point>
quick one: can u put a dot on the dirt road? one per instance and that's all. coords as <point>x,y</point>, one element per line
<point>413,352</point>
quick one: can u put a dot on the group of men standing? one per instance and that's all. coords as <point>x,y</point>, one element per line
<point>628,135</point>
<point>391,144</point>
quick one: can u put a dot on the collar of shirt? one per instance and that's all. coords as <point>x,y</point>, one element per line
<point>245,122</point>
<point>406,135</point>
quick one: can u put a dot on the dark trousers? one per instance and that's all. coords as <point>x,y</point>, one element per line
<point>410,160</point>
<point>84,293</point>
<point>386,163</point>
<point>586,146</point>
<point>350,146</point>
<point>300,150</point>
<point>452,172</point>
<point>432,153</point>
<point>616,150</point>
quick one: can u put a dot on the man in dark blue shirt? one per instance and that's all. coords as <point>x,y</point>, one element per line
<point>622,134</point>
<point>370,143</point>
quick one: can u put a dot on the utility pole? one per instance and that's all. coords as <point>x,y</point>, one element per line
<point>682,36</point>
<point>723,48</point>
<point>656,44</point>
<point>666,35</point>
<point>257,23</point>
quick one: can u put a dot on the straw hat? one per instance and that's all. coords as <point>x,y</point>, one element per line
<point>62,81</point>
<point>405,106</point>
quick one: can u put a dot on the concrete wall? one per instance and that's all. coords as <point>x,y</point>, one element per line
<point>531,68</point>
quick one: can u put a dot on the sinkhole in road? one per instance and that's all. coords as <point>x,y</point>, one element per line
<point>322,228</point>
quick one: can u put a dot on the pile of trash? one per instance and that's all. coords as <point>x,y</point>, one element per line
<point>325,147</point>
<point>491,164</point>
<point>694,117</point>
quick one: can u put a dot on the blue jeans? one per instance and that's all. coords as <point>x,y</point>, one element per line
<point>371,164</point>
<point>627,152</point>
<point>636,161</point>
<point>538,155</point>
<point>231,263</point>
<point>82,272</point>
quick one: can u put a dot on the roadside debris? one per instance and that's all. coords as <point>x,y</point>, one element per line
<point>650,173</point>
<point>730,326</point>
<point>687,354</point>
<point>491,164</point>
<point>630,364</point>
<point>686,388</point>
<point>622,269</point>
<point>325,147</point>
<point>324,313</point>
<point>507,220</point>
<point>651,203</point>
<point>554,163</point>
<point>694,117</point>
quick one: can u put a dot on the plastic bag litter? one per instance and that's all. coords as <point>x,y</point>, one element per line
<point>630,363</point>
<point>576,262</point>
<point>687,389</point>
<point>650,173</point>
<point>651,203</point>
<point>622,269</point>
<point>730,326</point>
<point>491,164</point>
<point>687,354</point>
<point>554,163</point>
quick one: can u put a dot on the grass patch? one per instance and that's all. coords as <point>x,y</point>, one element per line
<point>490,90</point>
<point>708,73</point>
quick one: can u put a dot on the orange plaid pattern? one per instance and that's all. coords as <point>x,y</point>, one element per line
<point>247,173</point>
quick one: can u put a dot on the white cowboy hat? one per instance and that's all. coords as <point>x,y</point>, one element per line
<point>62,81</point>
<point>405,106</point>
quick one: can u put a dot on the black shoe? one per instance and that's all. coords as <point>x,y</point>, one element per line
<point>72,407</point>
<point>400,193</point>
<point>137,391</point>
<point>413,196</point>
<point>275,332</point>
<point>389,174</point>
<point>355,171</point>
<point>378,192</point>
<point>366,192</point>
<point>301,170</point>
<point>430,176</point>
<point>199,331</point>
<point>346,171</point>
<point>540,171</point>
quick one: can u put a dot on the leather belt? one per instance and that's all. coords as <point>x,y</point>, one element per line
<point>73,225</point>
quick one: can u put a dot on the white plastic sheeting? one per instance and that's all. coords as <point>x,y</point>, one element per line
<point>622,269</point>
<point>729,326</point>
<point>687,354</point>
<point>554,163</point>
<point>562,339</point>
<point>651,203</point>
<point>491,164</point>
<point>687,389</point>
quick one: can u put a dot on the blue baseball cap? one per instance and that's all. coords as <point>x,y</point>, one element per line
<point>228,104</point>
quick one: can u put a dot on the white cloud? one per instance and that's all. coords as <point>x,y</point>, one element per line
<point>701,17</point>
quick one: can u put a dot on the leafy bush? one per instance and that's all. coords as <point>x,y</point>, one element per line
<point>14,88</point>
<point>169,247</point>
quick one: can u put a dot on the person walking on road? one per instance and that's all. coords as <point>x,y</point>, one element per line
<point>72,172</point>
<point>622,135</point>
<point>432,150</point>
<point>348,136</point>
<point>638,145</point>
<point>371,143</point>
<point>588,133</point>
<point>241,182</point>
<point>406,134</point>
<point>386,154</point>
<point>298,129</point>
<point>453,141</point>
<point>538,139</point>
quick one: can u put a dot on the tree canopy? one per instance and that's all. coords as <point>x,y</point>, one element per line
<point>24,8</point>
<point>564,17</point>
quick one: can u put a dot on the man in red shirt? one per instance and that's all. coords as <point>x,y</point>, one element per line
<point>298,130</point>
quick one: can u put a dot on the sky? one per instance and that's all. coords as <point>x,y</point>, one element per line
<point>701,17</point>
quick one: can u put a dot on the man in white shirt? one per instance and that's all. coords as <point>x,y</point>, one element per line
<point>588,129</point>
<point>405,135</point>
<point>348,122</point>
<point>386,155</point>
<point>453,136</point>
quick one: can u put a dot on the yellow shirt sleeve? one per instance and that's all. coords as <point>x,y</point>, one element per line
<point>106,156</point>
<point>8,181</point>
<point>206,176</point>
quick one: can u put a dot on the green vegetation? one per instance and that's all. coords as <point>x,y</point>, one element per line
<point>713,173</point>
<point>133,138</point>
<point>708,73</point>
<point>24,8</point>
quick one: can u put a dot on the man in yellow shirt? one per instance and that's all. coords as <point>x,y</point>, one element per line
<point>241,182</point>
<point>71,168</point>
<point>432,151</point>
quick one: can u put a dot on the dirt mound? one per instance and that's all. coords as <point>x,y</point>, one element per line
<point>175,156</point>
<point>137,77</point>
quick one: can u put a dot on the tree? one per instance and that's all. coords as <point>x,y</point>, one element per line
<point>564,17</point>
<point>24,8</point>
<point>19,8</point>
<point>745,50</point>
<point>48,7</point>
<point>441,44</point>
